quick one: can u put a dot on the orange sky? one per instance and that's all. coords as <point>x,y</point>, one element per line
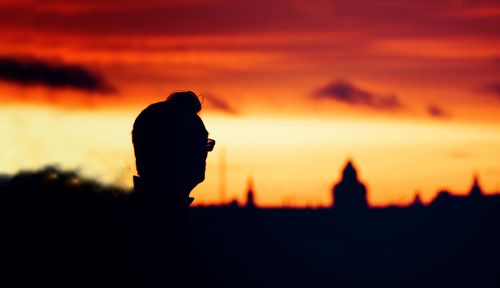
<point>410,92</point>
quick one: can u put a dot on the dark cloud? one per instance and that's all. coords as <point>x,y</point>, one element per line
<point>30,71</point>
<point>345,92</point>
<point>492,89</point>
<point>219,104</point>
<point>436,111</point>
<point>393,17</point>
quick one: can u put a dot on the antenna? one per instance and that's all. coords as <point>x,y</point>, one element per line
<point>222,175</point>
<point>250,194</point>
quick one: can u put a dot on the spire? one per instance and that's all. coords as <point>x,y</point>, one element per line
<point>475,180</point>
<point>475,190</point>
<point>250,183</point>
<point>417,202</point>
<point>250,194</point>
<point>350,173</point>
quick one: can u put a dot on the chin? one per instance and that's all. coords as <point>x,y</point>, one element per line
<point>201,178</point>
<point>197,180</point>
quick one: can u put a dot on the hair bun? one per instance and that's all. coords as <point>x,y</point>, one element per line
<point>185,102</point>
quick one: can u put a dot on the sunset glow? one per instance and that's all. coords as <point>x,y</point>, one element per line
<point>291,89</point>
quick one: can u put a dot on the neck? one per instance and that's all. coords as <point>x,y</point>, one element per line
<point>162,192</point>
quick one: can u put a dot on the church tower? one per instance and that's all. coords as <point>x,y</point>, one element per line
<point>476,191</point>
<point>349,194</point>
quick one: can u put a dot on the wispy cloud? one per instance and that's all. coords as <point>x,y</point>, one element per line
<point>346,92</point>
<point>462,154</point>
<point>437,111</point>
<point>217,103</point>
<point>30,72</point>
<point>492,89</point>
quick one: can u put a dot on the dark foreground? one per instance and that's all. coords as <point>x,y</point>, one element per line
<point>79,235</point>
<point>379,248</point>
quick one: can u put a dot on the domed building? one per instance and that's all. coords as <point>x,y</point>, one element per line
<point>349,194</point>
<point>475,191</point>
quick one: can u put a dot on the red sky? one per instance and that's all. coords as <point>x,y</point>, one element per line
<point>409,90</point>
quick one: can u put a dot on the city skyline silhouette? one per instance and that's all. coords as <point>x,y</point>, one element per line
<point>347,175</point>
<point>288,88</point>
<point>357,143</point>
<point>67,223</point>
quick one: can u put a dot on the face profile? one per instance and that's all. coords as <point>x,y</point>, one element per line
<point>171,145</point>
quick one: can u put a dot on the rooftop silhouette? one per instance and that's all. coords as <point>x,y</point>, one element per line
<point>54,220</point>
<point>349,194</point>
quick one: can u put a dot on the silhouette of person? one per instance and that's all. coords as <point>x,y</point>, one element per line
<point>171,145</point>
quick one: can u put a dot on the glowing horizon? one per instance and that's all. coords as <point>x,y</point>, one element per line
<point>279,153</point>
<point>291,90</point>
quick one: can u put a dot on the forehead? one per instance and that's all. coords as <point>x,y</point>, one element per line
<point>192,127</point>
<point>201,126</point>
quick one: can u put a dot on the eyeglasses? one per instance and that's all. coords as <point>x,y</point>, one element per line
<point>210,144</point>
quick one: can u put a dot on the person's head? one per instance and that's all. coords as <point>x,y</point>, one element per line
<point>170,144</point>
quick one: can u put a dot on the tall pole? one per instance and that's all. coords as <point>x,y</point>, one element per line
<point>222,175</point>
